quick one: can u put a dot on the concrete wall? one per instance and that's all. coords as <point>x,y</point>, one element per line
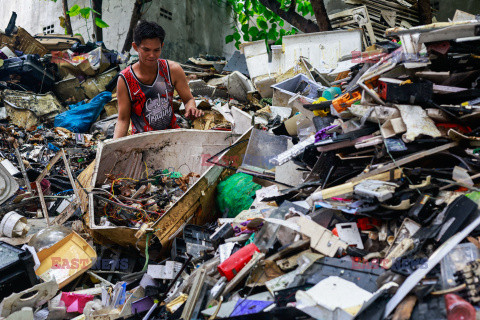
<point>196,26</point>
<point>193,27</point>
<point>447,8</point>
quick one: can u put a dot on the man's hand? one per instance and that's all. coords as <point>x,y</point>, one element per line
<point>181,85</point>
<point>193,112</point>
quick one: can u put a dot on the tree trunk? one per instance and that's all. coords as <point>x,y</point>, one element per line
<point>68,24</point>
<point>424,11</point>
<point>291,16</point>
<point>136,15</point>
<point>97,6</point>
<point>321,15</point>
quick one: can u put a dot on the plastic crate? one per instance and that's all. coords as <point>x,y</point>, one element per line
<point>16,270</point>
<point>33,75</point>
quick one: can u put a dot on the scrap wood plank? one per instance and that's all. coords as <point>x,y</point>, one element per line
<point>403,161</point>
<point>65,214</point>
<point>84,185</point>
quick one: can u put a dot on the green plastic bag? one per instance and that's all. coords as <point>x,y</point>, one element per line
<point>236,194</point>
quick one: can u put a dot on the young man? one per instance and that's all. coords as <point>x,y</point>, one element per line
<point>145,89</point>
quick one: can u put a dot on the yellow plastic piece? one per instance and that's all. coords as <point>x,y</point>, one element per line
<point>66,260</point>
<point>320,100</point>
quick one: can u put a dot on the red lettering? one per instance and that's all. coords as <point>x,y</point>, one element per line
<point>56,262</point>
<point>205,157</point>
<point>74,263</point>
<point>84,263</point>
<point>65,264</point>
<point>356,57</point>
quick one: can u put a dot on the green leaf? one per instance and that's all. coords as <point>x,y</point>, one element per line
<point>236,36</point>
<point>262,23</point>
<point>261,9</point>
<point>74,11</point>
<point>237,45</point>
<point>304,10</point>
<point>281,23</point>
<point>239,7</point>
<point>272,34</point>
<point>268,14</point>
<point>96,12</point>
<point>300,7</point>
<point>253,31</point>
<point>85,12</point>
<point>100,23</point>
<point>245,28</point>
<point>242,18</point>
<point>246,37</point>
<point>229,38</point>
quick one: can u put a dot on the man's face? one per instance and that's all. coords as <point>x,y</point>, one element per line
<point>149,51</point>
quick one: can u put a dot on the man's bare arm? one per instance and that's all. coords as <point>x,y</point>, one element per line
<point>181,85</point>
<point>124,109</point>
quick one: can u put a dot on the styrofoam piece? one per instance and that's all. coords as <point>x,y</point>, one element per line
<point>14,225</point>
<point>322,49</point>
<point>417,123</point>
<point>343,301</point>
<point>392,127</point>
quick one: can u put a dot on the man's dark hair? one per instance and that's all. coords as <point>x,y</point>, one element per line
<point>148,30</point>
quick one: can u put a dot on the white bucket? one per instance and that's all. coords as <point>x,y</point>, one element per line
<point>14,225</point>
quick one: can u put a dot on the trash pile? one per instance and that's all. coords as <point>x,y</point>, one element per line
<point>324,181</point>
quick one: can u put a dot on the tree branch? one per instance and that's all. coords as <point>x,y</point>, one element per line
<point>97,6</point>
<point>136,15</point>
<point>291,16</point>
<point>424,12</point>
<point>68,24</point>
<point>321,15</point>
